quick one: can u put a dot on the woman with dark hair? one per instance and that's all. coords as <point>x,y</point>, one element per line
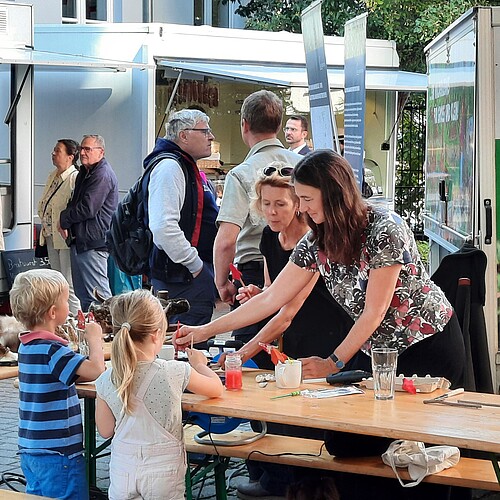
<point>371,266</point>
<point>369,261</point>
<point>313,323</point>
<point>57,192</point>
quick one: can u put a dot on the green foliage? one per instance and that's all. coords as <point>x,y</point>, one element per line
<point>411,24</point>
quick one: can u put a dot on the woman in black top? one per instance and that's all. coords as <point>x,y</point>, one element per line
<point>313,324</point>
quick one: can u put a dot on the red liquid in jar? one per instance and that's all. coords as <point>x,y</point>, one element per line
<point>233,380</point>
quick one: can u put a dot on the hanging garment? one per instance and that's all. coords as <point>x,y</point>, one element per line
<point>462,277</point>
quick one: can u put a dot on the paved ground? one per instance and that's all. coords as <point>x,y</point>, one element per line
<point>9,461</point>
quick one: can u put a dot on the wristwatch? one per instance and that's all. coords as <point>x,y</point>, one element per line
<point>338,362</point>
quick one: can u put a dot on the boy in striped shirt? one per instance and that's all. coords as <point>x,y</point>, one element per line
<point>50,420</point>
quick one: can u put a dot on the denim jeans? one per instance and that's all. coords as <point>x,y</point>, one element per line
<point>55,476</point>
<point>89,270</point>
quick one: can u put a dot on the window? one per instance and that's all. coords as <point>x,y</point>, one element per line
<point>86,11</point>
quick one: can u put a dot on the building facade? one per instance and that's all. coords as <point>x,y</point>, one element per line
<point>190,12</point>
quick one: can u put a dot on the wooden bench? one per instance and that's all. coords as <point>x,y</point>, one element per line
<point>468,473</point>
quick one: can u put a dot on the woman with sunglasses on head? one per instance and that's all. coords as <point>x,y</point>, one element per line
<point>312,324</point>
<point>56,194</point>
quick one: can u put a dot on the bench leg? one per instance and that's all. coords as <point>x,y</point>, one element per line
<point>210,463</point>
<point>496,466</point>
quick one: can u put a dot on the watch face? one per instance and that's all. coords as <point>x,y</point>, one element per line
<point>339,364</point>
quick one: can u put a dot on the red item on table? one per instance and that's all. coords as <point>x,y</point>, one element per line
<point>236,273</point>
<point>234,380</point>
<point>409,386</point>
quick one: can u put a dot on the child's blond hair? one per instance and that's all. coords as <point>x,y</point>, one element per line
<point>33,293</point>
<point>136,315</point>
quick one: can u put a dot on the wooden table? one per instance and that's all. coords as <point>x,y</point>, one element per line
<point>13,371</point>
<point>404,417</point>
<point>8,372</point>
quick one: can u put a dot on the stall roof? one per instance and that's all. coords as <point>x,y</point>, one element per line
<point>30,56</point>
<point>296,76</point>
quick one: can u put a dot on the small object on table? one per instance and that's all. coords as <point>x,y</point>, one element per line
<point>234,376</point>
<point>236,274</point>
<point>290,394</point>
<point>442,399</point>
<point>409,386</point>
<point>347,377</point>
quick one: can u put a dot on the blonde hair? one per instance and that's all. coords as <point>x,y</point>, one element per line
<point>33,293</point>
<point>274,180</point>
<point>136,315</point>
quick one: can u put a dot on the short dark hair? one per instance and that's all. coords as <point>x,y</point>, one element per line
<point>302,119</point>
<point>263,112</point>
<point>72,148</point>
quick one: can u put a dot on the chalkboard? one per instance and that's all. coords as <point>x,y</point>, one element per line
<point>18,261</point>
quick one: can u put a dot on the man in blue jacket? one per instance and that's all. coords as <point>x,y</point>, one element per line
<point>87,218</point>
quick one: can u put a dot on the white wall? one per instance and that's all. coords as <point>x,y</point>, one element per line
<point>46,11</point>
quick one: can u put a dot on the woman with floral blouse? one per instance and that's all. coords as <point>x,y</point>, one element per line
<point>370,263</point>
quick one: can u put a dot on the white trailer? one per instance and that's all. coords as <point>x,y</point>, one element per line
<point>19,63</point>
<point>463,150</point>
<point>214,67</point>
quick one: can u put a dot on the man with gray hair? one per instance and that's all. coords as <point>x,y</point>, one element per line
<point>181,215</point>
<point>87,218</point>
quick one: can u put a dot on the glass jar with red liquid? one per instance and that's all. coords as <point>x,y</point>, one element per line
<point>233,372</point>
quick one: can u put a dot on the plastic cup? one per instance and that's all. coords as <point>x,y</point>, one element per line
<point>167,352</point>
<point>288,374</point>
<point>384,362</point>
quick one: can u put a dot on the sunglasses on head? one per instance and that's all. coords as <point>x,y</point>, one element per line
<point>282,171</point>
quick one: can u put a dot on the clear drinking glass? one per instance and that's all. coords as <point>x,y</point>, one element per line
<point>384,362</point>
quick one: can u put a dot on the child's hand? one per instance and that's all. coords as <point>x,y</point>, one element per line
<point>245,293</point>
<point>93,332</point>
<point>196,358</point>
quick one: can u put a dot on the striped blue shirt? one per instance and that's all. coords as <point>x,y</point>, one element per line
<point>50,417</point>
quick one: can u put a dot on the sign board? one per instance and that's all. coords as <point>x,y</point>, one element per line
<point>355,93</point>
<point>18,261</point>
<point>324,130</point>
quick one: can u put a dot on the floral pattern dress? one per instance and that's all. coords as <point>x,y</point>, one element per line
<point>418,308</point>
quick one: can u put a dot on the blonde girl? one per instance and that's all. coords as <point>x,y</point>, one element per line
<point>139,402</point>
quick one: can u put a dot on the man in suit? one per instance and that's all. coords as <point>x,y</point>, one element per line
<point>296,129</point>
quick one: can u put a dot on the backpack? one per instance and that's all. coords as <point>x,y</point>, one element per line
<point>129,239</point>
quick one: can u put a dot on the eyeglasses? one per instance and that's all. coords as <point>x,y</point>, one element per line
<point>206,131</point>
<point>290,129</point>
<point>88,149</point>
<point>282,171</point>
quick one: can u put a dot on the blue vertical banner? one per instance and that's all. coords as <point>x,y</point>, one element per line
<point>324,132</point>
<point>355,93</point>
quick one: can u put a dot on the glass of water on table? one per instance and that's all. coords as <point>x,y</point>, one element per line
<point>384,363</point>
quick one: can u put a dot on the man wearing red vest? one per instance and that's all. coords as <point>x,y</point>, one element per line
<point>182,213</point>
